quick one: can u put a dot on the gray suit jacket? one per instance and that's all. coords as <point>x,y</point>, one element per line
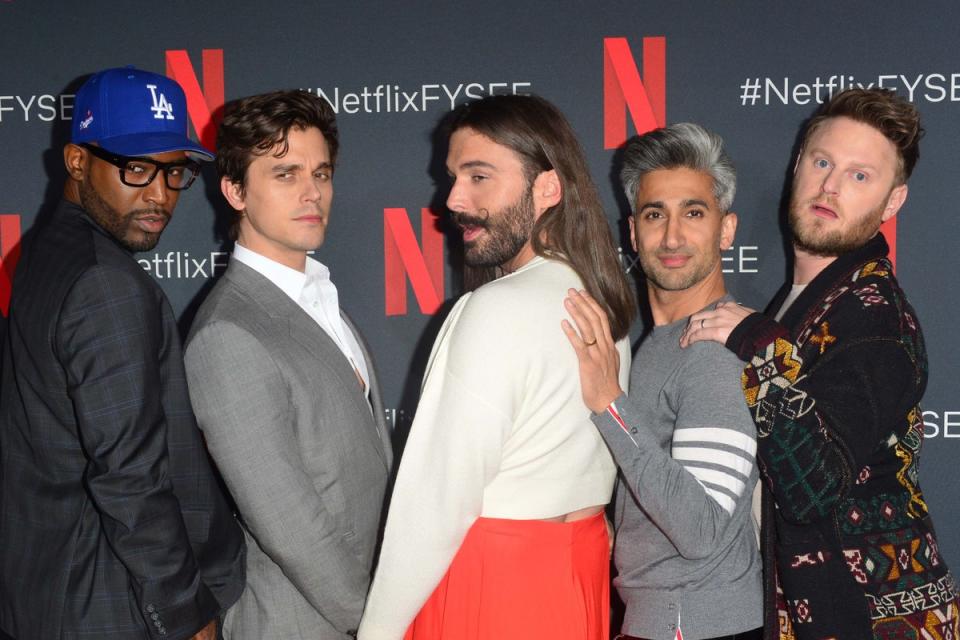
<point>301,452</point>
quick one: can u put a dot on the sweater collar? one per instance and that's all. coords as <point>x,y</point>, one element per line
<point>827,280</point>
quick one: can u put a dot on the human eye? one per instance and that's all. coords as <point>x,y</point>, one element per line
<point>652,214</point>
<point>137,169</point>
<point>177,170</point>
<point>860,176</point>
<point>695,213</point>
<point>323,176</point>
<point>477,178</point>
<point>821,163</point>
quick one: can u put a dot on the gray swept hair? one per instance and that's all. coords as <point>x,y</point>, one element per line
<point>681,145</point>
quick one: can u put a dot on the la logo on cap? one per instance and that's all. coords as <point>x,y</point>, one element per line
<point>161,108</point>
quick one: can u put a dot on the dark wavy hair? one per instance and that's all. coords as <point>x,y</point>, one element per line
<point>575,230</point>
<point>254,125</point>
<point>893,116</point>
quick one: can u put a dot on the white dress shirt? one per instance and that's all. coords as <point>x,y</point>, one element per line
<point>315,293</point>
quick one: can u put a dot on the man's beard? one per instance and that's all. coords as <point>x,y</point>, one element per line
<point>119,224</point>
<point>675,280</point>
<point>830,244</point>
<point>506,232</point>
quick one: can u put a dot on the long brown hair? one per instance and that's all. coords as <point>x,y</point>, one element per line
<point>575,230</point>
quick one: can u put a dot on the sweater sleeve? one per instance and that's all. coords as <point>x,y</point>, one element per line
<point>819,421</point>
<point>464,415</point>
<point>693,489</point>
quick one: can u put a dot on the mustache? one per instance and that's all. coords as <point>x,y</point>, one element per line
<point>464,219</point>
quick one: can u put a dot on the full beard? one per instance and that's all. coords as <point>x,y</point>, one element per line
<point>119,225</point>
<point>830,244</point>
<point>507,232</point>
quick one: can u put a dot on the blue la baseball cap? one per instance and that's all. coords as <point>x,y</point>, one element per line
<point>132,112</point>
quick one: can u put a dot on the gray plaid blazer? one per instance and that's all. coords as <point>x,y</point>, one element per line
<point>112,521</point>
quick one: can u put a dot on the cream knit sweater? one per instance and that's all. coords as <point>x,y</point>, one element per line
<point>501,431</point>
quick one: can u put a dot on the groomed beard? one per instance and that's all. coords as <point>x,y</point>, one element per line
<point>833,243</point>
<point>507,231</point>
<point>118,224</point>
<point>669,280</point>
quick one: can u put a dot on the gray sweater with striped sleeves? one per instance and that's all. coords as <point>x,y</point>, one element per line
<point>686,551</point>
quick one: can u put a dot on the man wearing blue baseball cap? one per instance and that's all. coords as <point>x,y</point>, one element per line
<point>112,522</point>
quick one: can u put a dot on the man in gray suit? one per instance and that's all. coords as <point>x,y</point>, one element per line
<point>282,385</point>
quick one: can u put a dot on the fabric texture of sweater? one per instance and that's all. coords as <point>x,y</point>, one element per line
<point>501,431</point>
<point>686,551</point>
<point>834,389</point>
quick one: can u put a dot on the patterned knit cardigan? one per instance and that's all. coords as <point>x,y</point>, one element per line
<point>834,390</point>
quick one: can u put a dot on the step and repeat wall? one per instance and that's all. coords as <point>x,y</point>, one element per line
<point>750,70</point>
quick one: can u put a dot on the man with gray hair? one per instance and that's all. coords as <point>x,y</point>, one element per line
<point>683,439</point>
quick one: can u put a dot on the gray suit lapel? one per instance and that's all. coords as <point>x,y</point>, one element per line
<point>315,341</point>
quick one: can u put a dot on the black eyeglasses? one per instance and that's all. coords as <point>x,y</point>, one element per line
<point>139,172</point>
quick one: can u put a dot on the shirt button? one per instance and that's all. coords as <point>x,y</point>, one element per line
<point>151,608</point>
<point>672,606</point>
<point>633,430</point>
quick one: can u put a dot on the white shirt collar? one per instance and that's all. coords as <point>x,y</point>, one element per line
<point>289,280</point>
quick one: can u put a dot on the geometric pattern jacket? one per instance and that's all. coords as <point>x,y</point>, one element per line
<point>849,548</point>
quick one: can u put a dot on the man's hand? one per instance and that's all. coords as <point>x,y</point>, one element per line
<point>596,350</point>
<point>715,324</point>
<point>209,632</point>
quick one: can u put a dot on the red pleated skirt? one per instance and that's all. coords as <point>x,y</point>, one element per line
<point>523,579</point>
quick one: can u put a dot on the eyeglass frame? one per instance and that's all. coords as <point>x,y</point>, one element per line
<point>121,162</point>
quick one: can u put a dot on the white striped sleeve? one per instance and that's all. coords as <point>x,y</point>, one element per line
<point>720,459</point>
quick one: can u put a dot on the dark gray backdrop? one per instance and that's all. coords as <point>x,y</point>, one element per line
<point>716,52</point>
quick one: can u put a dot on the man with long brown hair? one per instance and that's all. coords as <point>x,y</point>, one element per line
<point>498,505</point>
<point>833,379</point>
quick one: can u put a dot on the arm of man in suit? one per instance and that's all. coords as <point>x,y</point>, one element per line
<point>109,335</point>
<point>244,408</point>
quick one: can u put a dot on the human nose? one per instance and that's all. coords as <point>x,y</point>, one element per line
<point>157,191</point>
<point>456,199</point>
<point>673,234</point>
<point>831,182</point>
<point>312,191</point>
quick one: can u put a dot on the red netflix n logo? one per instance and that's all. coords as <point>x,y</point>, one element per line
<point>9,254</point>
<point>403,258</point>
<point>889,231</point>
<point>203,106</point>
<point>623,89</point>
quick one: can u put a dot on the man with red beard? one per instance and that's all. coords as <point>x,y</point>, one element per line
<point>496,527</point>
<point>113,524</point>
<point>833,379</point>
